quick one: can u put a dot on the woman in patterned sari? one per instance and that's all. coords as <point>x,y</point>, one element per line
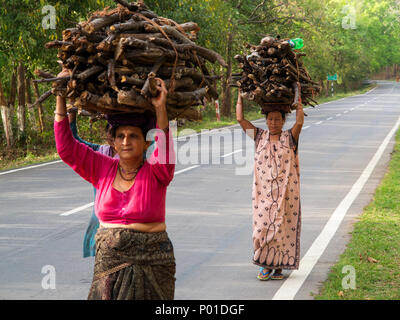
<point>276,192</point>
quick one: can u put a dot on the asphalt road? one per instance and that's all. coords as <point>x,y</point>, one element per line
<point>208,207</point>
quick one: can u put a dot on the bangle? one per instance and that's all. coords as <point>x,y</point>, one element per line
<point>61,114</point>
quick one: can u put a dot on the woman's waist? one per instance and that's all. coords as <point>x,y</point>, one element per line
<point>138,226</point>
<point>141,219</point>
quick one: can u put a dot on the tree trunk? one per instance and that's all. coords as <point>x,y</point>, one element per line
<point>40,108</point>
<point>31,111</point>
<point>327,88</point>
<point>226,103</point>
<point>6,118</point>
<point>321,84</point>
<point>21,101</point>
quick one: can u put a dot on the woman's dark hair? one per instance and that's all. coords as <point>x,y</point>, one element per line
<point>283,113</point>
<point>142,128</point>
<point>108,127</point>
<point>145,121</point>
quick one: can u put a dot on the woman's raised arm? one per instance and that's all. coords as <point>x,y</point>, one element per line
<point>296,129</point>
<point>246,125</point>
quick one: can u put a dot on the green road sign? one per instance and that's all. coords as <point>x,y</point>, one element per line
<point>332,78</point>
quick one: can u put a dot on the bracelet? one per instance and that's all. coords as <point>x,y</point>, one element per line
<point>61,114</point>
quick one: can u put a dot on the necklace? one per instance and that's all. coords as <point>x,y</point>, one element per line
<point>121,171</point>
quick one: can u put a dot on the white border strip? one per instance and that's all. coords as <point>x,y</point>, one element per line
<point>229,154</point>
<point>30,167</point>
<point>77,209</point>
<point>292,285</point>
<point>187,169</point>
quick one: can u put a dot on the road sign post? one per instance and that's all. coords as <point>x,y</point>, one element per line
<point>332,78</point>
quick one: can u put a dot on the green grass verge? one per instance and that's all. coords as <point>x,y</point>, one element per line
<point>374,250</point>
<point>29,159</point>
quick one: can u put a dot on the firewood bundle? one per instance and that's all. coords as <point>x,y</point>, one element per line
<point>115,56</point>
<point>273,76</point>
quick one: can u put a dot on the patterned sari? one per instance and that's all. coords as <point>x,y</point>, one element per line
<point>276,202</point>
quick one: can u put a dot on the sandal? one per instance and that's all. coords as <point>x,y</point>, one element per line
<point>277,275</point>
<point>263,276</point>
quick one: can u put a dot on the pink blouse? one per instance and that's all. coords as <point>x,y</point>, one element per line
<point>144,202</point>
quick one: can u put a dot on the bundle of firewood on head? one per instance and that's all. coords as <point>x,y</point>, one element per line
<point>115,57</point>
<point>274,77</point>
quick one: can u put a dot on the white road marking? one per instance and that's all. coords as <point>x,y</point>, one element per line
<point>345,111</point>
<point>292,285</point>
<point>88,205</point>
<point>228,154</point>
<point>187,169</point>
<point>31,167</point>
<point>338,115</point>
<point>330,118</point>
<point>319,122</point>
<point>77,209</point>
<point>306,127</point>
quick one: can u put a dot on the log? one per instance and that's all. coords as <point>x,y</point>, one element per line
<point>185,82</point>
<point>106,43</point>
<point>297,92</point>
<point>42,98</point>
<point>89,72</point>
<point>44,74</point>
<point>150,86</point>
<point>97,24</point>
<point>191,113</point>
<point>186,98</point>
<point>52,79</point>
<point>190,26</point>
<point>132,81</point>
<point>130,25</point>
<point>59,44</point>
<point>131,98</point>
<point>206,53</point>
<point>111,74</point>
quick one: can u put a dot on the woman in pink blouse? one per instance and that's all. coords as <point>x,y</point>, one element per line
<point>134,256</point>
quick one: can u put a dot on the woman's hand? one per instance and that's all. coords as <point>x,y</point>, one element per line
<point>61,109</point>
<point>160,104</point>
<point>64,73</point>
<point>72,114</point>
<point>246,125</point>
<point>239,107</point>
<point>160,100</point>
<point>296,129</point>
